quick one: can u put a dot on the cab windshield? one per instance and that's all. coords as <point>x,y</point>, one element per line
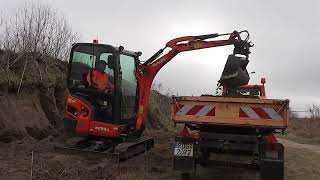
<point>120,95</point>
<point>84,60</point>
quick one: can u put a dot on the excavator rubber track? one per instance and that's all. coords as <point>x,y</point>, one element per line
<point>121,152</point>
<point>87,153</point>
<point>129,149</point>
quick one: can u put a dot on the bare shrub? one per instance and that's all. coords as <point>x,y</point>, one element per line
<point>1,28</point>
<point>314,111</point>
<point>38,28</point>
<point>292,114</point>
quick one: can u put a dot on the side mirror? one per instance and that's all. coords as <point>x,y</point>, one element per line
<point>111,61</point>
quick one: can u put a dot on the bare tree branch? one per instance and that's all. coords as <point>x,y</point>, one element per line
<point>22,75</point>
<point>39,28</point>
<point>314,111</point>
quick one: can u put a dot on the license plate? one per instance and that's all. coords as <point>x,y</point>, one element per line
<point>183,149</point>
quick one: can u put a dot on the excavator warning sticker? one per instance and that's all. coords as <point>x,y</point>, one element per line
<point>197,45</point>
<point>259,113</point>
<point>196,110</point>
<point>141,110</point>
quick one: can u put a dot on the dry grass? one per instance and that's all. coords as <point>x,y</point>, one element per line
<point>159,112</point>
<point>304,131</point>
<point>40,71</point>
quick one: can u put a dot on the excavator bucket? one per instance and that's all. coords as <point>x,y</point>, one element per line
<point>235,72</point>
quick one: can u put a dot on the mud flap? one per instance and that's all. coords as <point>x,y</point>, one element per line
<point>271,161</point>
<point>184,164</point>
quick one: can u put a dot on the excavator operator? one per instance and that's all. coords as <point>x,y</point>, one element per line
<point>100,79</point>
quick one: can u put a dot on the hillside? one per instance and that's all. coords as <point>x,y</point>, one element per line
<point>32,95</point>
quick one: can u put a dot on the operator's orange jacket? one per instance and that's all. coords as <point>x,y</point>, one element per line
<point>98,77</point>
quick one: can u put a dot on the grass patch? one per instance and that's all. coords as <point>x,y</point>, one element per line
<point>303,131</point>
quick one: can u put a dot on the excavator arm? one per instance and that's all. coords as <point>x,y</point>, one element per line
<point>147,71</point>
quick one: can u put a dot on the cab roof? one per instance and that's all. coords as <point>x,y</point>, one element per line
<point>113,48</point>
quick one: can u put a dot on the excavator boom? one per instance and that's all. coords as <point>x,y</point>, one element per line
<point>148,70</point>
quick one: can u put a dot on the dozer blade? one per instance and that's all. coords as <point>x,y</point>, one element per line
<point>127,150</point>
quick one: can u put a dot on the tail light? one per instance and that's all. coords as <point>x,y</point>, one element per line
<point>270,138</point>
<point>184,133</point>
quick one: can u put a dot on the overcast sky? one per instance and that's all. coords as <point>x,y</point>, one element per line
<point>285,34</point>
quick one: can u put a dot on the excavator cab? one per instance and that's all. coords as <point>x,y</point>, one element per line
<point>103,112</point>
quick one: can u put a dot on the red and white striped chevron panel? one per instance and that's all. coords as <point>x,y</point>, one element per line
<point>259,113</point>
<point>196,110</point>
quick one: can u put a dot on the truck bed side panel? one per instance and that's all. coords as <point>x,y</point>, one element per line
<point>230,111</point>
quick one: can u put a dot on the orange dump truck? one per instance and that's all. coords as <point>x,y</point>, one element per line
<point>235,129</point>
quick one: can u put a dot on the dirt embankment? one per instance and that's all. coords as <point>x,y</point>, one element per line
<point>32,90</point>
<point>21,115</point>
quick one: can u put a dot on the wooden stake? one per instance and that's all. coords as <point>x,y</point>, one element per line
<point>31,165</point>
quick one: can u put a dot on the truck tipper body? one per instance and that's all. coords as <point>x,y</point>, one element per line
<point>211,110</point>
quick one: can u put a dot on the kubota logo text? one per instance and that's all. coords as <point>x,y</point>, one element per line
<point>100,128</point>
